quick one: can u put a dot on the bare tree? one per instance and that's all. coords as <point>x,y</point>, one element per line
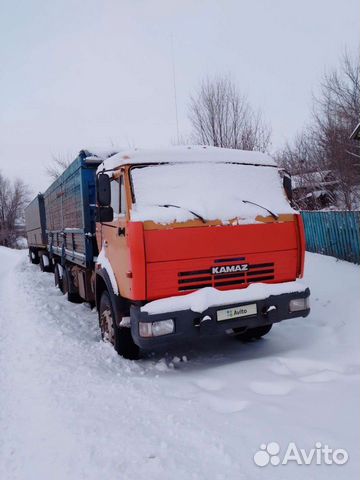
<point>58,164</point>
<point>325,144</point>
<point>222,117</point>
<point>13,198</point>
<point>336,113</point>
<point>298,157</point>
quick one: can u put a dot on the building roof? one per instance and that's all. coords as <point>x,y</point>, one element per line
<point>313,179</point>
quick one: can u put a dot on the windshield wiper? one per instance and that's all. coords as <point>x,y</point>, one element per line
<point>276,217</point>
<point>183,208</point>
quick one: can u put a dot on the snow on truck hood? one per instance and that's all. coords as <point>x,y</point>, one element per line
<point>208,182</point>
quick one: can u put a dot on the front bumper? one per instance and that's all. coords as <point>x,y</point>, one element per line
<point>191,325</point>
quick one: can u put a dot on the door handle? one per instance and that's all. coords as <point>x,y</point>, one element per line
<point>121,231</point>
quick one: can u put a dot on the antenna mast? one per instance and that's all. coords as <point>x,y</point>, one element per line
<point>174,86</point>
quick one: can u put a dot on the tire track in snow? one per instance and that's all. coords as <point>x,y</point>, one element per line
<point>70,408</point>
<point>73,409</point>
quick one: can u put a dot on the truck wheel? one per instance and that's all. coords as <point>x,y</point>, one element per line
<point>251,333</point>
<point>34,257</point>
<point>69,289</point>
<point>45,265</point>
<point>119,337</point>
<point>58,274</point>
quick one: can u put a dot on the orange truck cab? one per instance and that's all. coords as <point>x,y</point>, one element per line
<point>195,241</point>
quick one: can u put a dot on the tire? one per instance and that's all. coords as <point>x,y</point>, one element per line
<point>33,257</point>
<point>69,289</point>
<point>43,266</point>
<point>58,275</point>
<point>253,333</point>
<point>119,337</point>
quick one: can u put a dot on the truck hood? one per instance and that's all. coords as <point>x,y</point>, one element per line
<point>181,260</point>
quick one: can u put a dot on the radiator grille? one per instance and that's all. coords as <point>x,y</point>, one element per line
<point>195,279</point>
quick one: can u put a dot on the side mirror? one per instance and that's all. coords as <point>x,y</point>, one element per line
<point>287,186</point>
<point>103,190</point>
<point>104,214</point>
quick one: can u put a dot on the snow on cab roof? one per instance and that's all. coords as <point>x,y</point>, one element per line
<point>186,154</point>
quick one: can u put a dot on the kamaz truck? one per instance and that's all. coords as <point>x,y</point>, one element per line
<point>173,244</point>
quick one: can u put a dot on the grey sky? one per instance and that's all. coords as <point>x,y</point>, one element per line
<point>91,72</point>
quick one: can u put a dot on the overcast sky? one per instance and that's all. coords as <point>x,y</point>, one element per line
<point>81,73</point>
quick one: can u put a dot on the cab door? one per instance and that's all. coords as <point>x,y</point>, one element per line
<point>114,236</point>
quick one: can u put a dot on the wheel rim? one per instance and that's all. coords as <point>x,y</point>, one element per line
<point>107,327</point>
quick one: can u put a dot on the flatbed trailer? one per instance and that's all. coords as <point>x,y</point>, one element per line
<point>35,221</point>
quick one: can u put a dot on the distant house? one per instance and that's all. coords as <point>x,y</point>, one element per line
<point>314,190</point>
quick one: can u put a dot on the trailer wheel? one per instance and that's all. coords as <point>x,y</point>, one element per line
<point>45,265</point>
<point>119,337</point>
<point>58,275</point>
<point>33,257</point>
<point>252,333</point>
<point>68,287</point>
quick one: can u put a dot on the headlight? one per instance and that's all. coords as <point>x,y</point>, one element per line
<point>298,304</point>
<point>156,329</point>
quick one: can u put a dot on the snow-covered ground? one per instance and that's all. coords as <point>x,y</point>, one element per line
<point>70,408</point>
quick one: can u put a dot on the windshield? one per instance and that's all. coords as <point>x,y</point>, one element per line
<point>213,191</point>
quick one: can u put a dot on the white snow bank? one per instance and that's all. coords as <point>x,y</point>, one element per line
<point>208,297</point>
<point>21,242</point>
<point>183,154</point>
<point>66,398</point>
<point>211,190</point>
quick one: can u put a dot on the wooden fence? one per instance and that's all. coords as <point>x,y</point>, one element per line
<point>333,233</point>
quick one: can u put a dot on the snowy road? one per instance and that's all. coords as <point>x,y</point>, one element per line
<point>70,408</point>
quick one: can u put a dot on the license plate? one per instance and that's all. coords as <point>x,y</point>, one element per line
<point>236,312</point>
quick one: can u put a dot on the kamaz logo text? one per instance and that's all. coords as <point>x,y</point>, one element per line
<point>230,269</point>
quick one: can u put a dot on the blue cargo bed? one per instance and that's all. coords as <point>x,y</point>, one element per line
<point>70,212</point>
